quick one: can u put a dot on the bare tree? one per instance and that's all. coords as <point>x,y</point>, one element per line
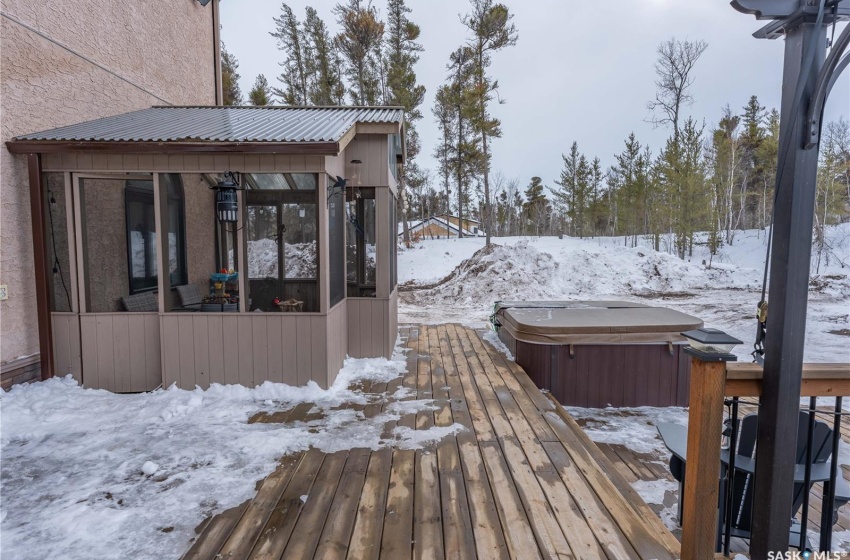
<point>676,61</point>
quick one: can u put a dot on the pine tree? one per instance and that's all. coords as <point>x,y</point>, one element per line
<point>291,40</point>
<point>402,90</point>
<point>535,208</point>
<point>444,113</point>
<point>492,31</point>
<point>230,78</point>
<point>359,44</point>
<point>682,173</point>
<point>565,196</point>
<point>260,94</point>
<point>324,82</point>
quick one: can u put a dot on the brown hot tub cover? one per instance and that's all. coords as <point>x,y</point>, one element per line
<point>592,322</point>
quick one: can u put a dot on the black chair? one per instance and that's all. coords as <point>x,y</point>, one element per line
<point>675,438</point>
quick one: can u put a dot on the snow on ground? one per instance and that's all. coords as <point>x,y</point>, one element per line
<point>458,280</point>
<point>91,474</point>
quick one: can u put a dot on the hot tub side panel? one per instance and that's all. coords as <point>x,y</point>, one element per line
<point>597,376</point>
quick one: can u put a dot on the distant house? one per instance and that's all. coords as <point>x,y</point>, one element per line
<point>442,226</point>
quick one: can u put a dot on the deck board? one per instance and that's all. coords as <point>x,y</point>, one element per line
<point>520,480</point>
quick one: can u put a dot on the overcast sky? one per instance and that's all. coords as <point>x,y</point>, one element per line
<point>581,71</point>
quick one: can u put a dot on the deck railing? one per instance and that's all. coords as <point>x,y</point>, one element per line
<point>713,386</point>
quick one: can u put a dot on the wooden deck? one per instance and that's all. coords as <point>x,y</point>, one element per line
<point>522,481</point>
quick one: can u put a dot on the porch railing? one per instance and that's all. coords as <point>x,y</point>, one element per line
<point>718,384</point>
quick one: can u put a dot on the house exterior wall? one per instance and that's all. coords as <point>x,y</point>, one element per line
<point>66,61</point>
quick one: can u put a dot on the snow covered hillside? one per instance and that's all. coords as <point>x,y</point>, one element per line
<point>459,280</point>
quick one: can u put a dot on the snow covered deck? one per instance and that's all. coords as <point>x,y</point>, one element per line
<point>522,480</point>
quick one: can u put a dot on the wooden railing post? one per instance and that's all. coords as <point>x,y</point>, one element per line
<point>702,469</point>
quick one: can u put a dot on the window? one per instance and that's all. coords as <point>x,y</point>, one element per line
<point>394,154</point>
<point>360,242</point>
<point>141,233</point>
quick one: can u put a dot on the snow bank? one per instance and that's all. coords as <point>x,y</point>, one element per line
<point>91,474</point>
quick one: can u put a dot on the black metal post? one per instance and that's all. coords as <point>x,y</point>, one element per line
<point>807,478</point>
<point>730,479</point>
<point>827,519</point>
<point>789,279</point>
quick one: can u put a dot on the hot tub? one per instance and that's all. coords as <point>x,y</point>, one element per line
<point>600,353</point>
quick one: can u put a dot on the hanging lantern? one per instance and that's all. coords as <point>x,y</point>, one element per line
<point>352,173</point>
<point>226,201</point>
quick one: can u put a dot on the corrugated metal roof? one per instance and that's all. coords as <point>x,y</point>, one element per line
<point>223,124</point>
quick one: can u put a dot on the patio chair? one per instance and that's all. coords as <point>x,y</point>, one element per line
<point>144,302</point>
<point>190,298</point>
<point>675,437</point>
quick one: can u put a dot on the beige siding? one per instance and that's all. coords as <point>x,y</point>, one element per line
<point>67,351</point>
<point>337,339</point>
<point>121,351</point>
<point>370,327</point>
<point>393,320</point>
<point>189,163</point>
<point>246,349</point>
<point>371,149</point>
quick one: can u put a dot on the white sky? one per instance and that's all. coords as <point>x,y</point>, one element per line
<point>580,71</point>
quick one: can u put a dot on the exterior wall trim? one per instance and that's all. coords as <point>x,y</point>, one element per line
<point>42,285</point>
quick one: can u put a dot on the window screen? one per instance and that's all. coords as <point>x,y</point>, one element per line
<point>336,249</point>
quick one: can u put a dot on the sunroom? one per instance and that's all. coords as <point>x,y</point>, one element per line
<point>276,226</point>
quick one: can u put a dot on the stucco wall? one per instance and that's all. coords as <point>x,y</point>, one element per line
<point>163,48</point>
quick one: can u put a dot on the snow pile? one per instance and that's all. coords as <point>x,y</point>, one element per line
<point>522,271</point>
<point>92,474</point>
<point>299,259</point>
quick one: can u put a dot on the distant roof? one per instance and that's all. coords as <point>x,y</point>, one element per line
<point>225,125</point>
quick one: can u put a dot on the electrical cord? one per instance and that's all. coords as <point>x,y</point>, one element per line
<point>57,266</point>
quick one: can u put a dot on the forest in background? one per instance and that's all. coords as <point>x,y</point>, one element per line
<point>717,178</point>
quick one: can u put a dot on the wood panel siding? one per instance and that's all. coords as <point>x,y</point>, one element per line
<point>67,349</point>
<point>245,348</point>
<point>121,351</point>
<point>372,326</point>
<point>591,375</point>
<point>200,162</point>
<point>337,339</point>
<point>372,150</point>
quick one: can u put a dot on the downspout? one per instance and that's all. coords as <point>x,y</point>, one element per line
<point>39,249</point>
<point>216,17</point>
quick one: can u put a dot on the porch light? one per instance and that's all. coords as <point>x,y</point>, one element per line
<point>226,202</point>
<point>352,172</point>
<point>711,345</point>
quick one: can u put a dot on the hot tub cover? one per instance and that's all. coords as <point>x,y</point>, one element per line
<point>593,322</point>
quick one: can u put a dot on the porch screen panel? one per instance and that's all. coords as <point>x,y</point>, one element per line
<point>360,243</point>
<point>283,241</point>
<point>58,246</point>
<point>119,243</point>
<point>336,248</point>
<point>393,242</point>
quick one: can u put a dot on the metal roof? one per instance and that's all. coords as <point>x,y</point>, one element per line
<point>272,124</point>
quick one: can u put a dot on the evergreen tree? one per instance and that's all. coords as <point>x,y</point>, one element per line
<point>260,94</point>
<point>324,84</point>
<point>727,158</point>
<point>536,208</point>
<point>400,58</point>
<point>359,44</point>
<point>291,40</point>
<point>444,113</point>
<point>230,78</point>
<point>682,173</point>
<point>565,196</point>
<point>492,31</point>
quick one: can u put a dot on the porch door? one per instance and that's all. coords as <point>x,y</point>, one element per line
<point>282,249</point>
